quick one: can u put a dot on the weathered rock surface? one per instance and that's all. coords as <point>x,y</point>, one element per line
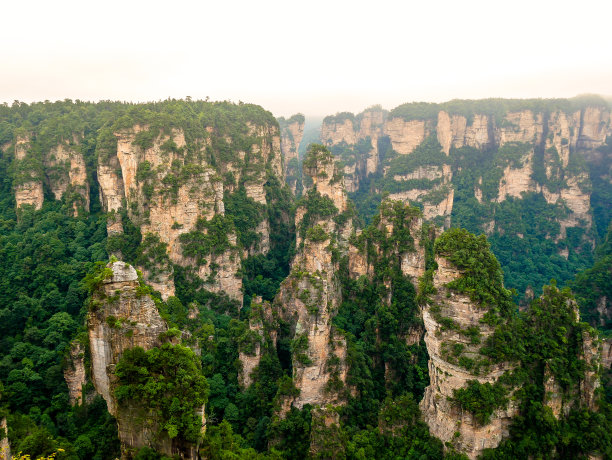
<point>74,373</point>
<point>359,134</point>
<point>555,134</point>
<point>66,173</point>
<point>29,187</point>
<point>310,295</point>
<point>122,318</point>
<point>292,131</point>
<point>405,136</point>
<point>110,323</point>
<point>166,211</point>
<point>5,447</point>
<point>263,327</point>
<point>444,418</point>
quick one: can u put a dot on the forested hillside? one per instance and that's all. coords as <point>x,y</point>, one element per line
<point>533,175</point>
<point>157,265</point>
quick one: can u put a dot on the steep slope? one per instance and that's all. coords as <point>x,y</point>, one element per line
<point>292,131</point>
<point>518,170</point>
<point>188,179</point>
<point>124,318</point>
<point>488,365</point>
<point>310,295</point>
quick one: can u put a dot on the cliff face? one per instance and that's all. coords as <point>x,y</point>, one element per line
<point>311,294</point>
<point>158,204</point>
<point>61,167</point>
<point>74,373</point>
<point>122,318</point>
<point>66,173</point>
<point>444,418</point>
<point>355,141</point>
<point>125,321</point>
<point>28,186</point>
<point>263,327</point>
<point>292,131</point>
<point>552,135</point>
<point>170,191</point>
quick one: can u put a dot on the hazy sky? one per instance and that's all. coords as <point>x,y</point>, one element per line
<point>317,57</point>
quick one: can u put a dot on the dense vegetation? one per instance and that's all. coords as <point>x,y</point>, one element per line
<point>46,254</point>
<point>524,232</point>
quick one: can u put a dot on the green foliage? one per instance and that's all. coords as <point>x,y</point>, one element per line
<point>481,276</point>
<point>317,234</point>
<point>166,381</point>
<point>246,215</point>
<point>318,207</point>
<point>497,108</point>
<point>379,359</point>
<point>481,399</point>
<point>317,156</point>
<point>209,237</point>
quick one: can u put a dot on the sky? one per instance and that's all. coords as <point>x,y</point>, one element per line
<point>315,57</point>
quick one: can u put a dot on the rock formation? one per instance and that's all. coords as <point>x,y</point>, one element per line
<point>123,316</point>
<point>554,135</point>
<point>75,374</point>
<point>66,175</point>
<point>170,191</point>
<point>5,447</point>
<point>355,140</point>
<point>262,332</point>
<point>27,183</point>
<point>292,131</point>
<point>310,295</point>
<point>446,421</point>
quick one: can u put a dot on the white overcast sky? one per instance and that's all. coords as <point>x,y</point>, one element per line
<point>315,57</point>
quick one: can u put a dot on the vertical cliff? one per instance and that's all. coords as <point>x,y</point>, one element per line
<point>75,374</point>
<point>123,317</point>
<point>455,333</point>
<point>195,189</point>
<point>292,131</point>
<point>27,180</point>
<point>260,336</point>
<point>310,295</point>
<point>481,350</point>
<point>67,175</point>
<point>472,164</point>
<point>355,141</point>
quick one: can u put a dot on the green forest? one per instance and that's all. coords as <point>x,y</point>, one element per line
<point>52,258</point>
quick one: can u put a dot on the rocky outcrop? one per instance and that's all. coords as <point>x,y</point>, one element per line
<point>122,317</point>
<point>166,197</point>
<point>66,174</point>
<point>28,183</point>
<point>357,138</point>
<point>74,373</point>
<point>405,136</point>
<point>5,447</point>
<point>517,180</point>
<point>606,353</point>
<point>119,319</point>
<point>29,193</point>
<point>262,329</point>
<point>310,295</point>
<point>292,131</point>
<point>171,182</point>
<point>553,135</point>
<point>437,201</point>
<point>447,421</point>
